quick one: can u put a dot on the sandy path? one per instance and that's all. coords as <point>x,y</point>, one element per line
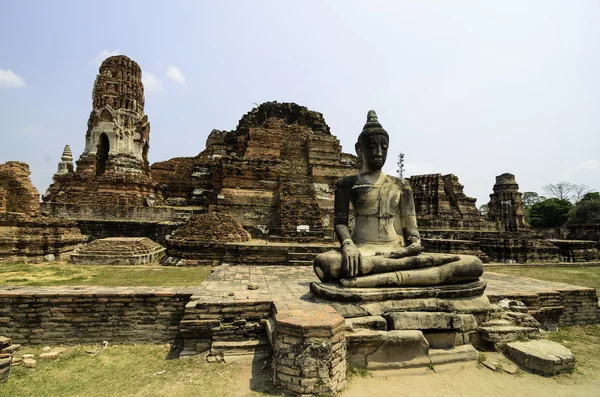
<point>469,380</point>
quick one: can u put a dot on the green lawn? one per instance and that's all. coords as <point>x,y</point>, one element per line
<point>587,276</point>
<point>121,370</point>
<point>62,273</point>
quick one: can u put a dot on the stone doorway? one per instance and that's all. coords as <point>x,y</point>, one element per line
<point>102,154</point>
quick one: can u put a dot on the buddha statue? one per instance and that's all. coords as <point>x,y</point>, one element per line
<point>384,249</point>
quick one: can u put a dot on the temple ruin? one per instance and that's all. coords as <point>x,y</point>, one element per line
<point>113,169</point>
<point>26,234</point>
<point>506,203</point>
<point>275,171</point>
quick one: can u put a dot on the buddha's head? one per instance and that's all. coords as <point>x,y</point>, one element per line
<point>372,144</point>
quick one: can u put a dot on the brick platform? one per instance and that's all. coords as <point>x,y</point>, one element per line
<point>81,315</point>
<point>146,314</point>
<point>580,304</point>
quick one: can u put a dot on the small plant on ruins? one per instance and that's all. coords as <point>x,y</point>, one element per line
<point>353,371</point>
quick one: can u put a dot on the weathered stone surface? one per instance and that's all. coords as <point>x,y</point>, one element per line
<point>113,169</point>
<point>541,356</point>
<point>376,323</point>
<point>387,349</point>
<point>477,305</point>
<point>5,365</point>
<point>453,355</point>
<point>335,292</point>
<point>506,332</point>
<point>118,251</point>
<point>29,363</point>
<point>430,321</point>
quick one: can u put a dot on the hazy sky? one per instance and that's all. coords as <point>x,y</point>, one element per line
<point>474,88</point>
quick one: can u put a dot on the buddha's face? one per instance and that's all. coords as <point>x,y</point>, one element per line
<point>373,152</point>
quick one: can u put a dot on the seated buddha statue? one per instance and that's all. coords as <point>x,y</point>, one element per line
<point>384,249</point>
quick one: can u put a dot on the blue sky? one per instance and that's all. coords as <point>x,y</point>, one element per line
<point>471,88</point>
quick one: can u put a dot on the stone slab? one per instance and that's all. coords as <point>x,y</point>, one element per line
<point>430,321</point>
<point>387,349</point>
<point>541,356</point>
<point>376,323</point>
<point>335,292</point>
<point>506,333</point>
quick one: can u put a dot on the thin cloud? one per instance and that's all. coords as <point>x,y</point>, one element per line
<point>584,166</point>
<point>8,78</point>
<point>102,55</point>
<point>174,73</point>
<point>151,82</point>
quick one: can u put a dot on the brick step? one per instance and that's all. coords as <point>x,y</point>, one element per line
<point>300,263</point>
<point>301,256</point>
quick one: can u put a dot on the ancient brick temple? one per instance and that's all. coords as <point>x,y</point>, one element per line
<point>506,203</point>
<point>25,234</point>
<point>113,168</point>
<point>277,170</point>
<point>441,203</point>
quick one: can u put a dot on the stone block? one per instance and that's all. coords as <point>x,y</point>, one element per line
<point>377,323</point>
<point>387,349</point>
<point>541,356</point>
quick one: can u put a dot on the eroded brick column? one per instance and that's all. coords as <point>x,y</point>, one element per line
<point>309,349</point>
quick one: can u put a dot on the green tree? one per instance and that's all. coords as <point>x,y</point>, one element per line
<point>484,210</point>
<point>587,210</point>
<point>550,213</point>
<point>531,198</point>
<point>590,196</point>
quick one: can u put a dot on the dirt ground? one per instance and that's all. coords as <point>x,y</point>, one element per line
<point>452,380</point>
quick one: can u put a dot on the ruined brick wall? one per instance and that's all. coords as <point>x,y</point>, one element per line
<point>209,320</point>
<point>89,315</point>
<point>30,239</point>
<point>212,228</point>
<point>441,203</point>
<point>580,305</point>
<point>590,231</point>
<point>17,193</point>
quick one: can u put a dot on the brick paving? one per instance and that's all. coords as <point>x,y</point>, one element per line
<point>282,283</point>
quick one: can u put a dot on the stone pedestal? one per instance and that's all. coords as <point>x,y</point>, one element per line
<point>309,346</point>
<point>393,328</point>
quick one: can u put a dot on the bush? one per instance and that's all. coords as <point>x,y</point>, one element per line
<point>550,213</point>
<point>586,211</point>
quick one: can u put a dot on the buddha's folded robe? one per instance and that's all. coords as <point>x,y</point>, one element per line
<point>421,270</point>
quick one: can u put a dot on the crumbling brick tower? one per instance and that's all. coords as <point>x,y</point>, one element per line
<point>113,168</point>
<point>506,203</point>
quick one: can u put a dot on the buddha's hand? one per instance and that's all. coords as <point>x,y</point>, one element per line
<point>412,250</point>
<point>351,259</point>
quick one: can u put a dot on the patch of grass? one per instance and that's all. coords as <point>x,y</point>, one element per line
<point>123,371</point>
<point>583,342</point>
<point>587,276</point>
<point>353,371</point>
<point>65,274</point>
